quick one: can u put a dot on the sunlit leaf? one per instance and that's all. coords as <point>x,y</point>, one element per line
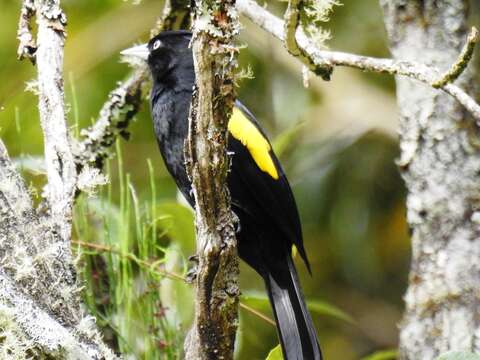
<point>177,221</point>
<point>390,354</point>
<point>258,300</point>
<point>323,308</point>
<point>275,353</point>
<point>287,138</point>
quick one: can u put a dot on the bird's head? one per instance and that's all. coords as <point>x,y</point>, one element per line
<point>164,53</point>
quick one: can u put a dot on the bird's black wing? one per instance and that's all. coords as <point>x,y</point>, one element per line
<point>263,193</point>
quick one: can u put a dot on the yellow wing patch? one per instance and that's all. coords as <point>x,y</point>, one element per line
<point>244,131</point>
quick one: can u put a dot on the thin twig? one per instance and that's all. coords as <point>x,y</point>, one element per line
<point>414,70</point>
<point>257,313</point>
<point>460,65</point>
<point>153,266</point>
<point>149,265</point>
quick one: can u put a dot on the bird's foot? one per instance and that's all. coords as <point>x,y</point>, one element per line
<point>236,223</point>
<point>191,275</point>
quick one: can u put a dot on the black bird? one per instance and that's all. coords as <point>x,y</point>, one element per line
<point>260,193</point>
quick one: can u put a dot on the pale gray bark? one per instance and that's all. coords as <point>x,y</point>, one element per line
<point>40,308</point>
<point>440,163</point>
<point>216,286</point>
<point>39,301</point>
<point>59,162</point>
<point>40,298</point>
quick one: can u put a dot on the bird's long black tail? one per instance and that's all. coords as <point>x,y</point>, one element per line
<point>294,323</point>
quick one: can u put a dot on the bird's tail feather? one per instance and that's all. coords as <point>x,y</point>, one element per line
<point>294,323</point>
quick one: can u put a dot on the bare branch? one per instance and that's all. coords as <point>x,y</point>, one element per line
<point>154,266</point>
<point>414,70</point>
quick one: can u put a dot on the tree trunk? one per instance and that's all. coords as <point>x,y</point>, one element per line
<point>216,287</point>
<point>440,163</point>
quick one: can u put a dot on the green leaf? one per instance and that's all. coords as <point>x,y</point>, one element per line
<point>275,353</point>
<point>288,138</point>
<point>258,300</point>
<point>456,355</point>
<point>177,221</point>
<point>383,355</point>
<point>255,299</point>
<point>324,308</point>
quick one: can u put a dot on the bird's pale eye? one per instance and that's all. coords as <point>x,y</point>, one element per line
<point>156,44</point>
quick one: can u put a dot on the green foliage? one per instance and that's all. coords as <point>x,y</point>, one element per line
<point>456,355</point>
<point>383,355</point>
<point>275,353</point>
<point>129,277</point>
<point>260,300</point>
<point>287,139</point>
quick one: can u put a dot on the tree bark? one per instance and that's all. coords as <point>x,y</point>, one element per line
<point>216,294</point>
<point>440,163</point>
<point>41,314</point>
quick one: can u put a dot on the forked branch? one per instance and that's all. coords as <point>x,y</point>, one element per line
<point>415,70</point>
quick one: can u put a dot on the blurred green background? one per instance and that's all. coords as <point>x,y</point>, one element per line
<point>337,141</point>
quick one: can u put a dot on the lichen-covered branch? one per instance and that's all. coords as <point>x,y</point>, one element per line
<point>115,116</point>
<point>291,20</point>
<point>216,295</point>
<point>30,330</point>
<point>124,101</point>
<point>61,173</point>
<point>412,68</point>
<point>12,188</point>
<point>462,62</point>
<point>291,23</point>
<point>27,45</point>
<point>440,163</point>
<point>40,308</point>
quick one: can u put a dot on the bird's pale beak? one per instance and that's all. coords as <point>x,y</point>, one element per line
<point>139,51</point>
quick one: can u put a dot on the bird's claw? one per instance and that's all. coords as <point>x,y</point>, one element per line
<point>191,275</point>
<point>236,223</point>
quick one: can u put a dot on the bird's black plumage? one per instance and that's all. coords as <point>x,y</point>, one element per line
<point>269,221</point>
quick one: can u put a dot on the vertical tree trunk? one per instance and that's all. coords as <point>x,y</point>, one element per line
<point>440,163</point>
<point>212,336</point>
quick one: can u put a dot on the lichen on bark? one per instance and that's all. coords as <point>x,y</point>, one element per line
<point>440,163</point>
<point>216,293</point>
